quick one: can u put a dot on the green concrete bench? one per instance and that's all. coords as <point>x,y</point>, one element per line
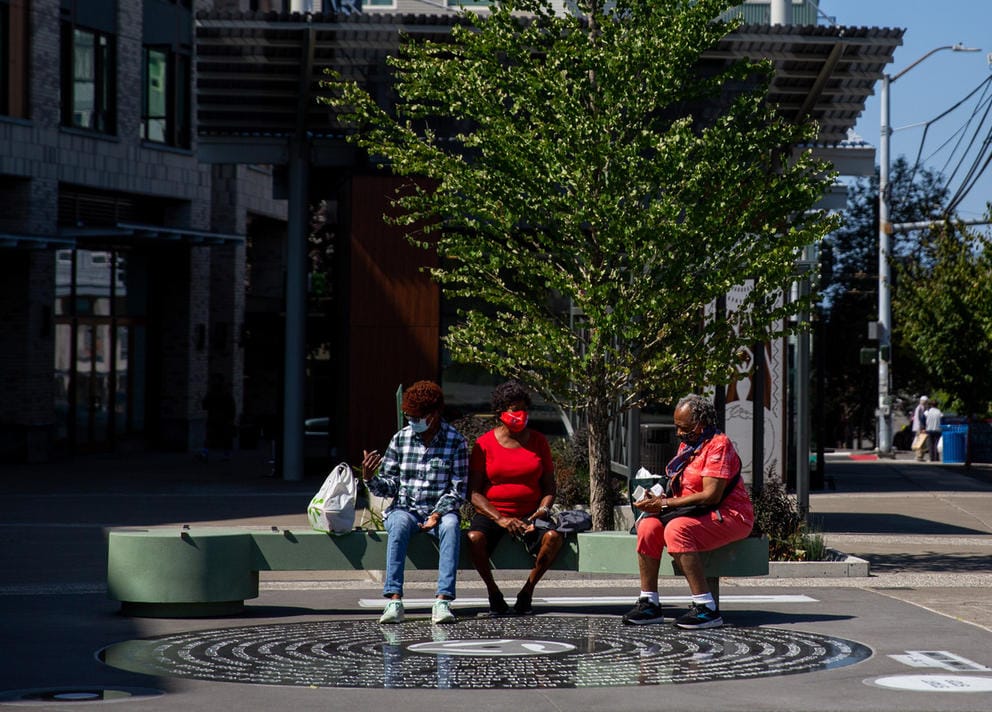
<point>167,572</point>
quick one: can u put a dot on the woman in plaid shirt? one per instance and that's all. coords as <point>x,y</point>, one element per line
<point>425,471</point>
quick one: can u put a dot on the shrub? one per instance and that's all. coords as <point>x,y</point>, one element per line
<point>472,427</point>
<point>776,515</point>
<point>809,546</point>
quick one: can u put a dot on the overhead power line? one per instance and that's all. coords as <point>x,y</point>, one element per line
<point>977,132</point>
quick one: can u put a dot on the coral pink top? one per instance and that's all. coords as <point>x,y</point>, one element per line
<point>717,458</point>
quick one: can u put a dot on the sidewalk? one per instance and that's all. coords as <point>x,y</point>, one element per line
<point>925,527</point>
<point>927,530</point>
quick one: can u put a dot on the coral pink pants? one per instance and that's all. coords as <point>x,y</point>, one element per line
<point>689,534</point>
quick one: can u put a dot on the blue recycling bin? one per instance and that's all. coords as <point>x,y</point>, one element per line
<point>955,442</point>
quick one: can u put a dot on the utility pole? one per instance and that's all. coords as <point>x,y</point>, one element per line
<point>885,229</point>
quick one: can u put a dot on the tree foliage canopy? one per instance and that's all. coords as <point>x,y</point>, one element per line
<point>916,195</point>
<point>850,291</point>
<point>944,309</point>
<point>599,158</point>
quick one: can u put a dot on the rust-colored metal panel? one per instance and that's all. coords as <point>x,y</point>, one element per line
<point>394,315</point>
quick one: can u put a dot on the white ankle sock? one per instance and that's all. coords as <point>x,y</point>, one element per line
<point>651,596</point>
<point>705,599</point>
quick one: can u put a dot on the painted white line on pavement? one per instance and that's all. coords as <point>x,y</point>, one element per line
<point>588,600</point>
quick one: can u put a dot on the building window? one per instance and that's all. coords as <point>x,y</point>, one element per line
<point>88,79</point>
<point>14,58</point>
<point>166,72</point>
<point>166,97</point>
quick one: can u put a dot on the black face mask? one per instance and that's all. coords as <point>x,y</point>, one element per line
<point>694,438</point>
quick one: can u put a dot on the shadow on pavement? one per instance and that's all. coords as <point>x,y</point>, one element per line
<point>854,522</point>
<point>930,562</point>
<point>753,619</point>
<point>904,475</point>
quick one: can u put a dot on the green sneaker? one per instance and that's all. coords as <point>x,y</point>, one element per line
<point>393,612</point>
<point>441,613</point>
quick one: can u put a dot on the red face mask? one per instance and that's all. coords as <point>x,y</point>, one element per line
<point>514,420</point>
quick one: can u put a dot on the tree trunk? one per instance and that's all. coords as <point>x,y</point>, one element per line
<point>600,490</point>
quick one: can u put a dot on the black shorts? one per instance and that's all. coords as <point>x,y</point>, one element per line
<point>494,532</point>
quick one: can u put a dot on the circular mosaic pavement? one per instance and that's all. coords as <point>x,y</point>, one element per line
<point>513,652</point>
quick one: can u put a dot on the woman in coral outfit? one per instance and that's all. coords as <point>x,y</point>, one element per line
<point>709,470</point>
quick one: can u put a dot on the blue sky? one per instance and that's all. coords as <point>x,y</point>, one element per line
<point>933,86</point>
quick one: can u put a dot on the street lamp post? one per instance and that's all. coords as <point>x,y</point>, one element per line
<point>884,440</point>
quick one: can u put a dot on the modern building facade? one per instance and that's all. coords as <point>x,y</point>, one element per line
<point>122,256</point>
<point>163,169</point>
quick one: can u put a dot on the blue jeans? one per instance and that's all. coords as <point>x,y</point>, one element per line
<point>400,526</point>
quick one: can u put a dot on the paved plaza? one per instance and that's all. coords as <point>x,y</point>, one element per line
<point>914,635</point>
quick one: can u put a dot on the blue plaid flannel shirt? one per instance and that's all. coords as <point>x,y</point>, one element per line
<point>421,478</point>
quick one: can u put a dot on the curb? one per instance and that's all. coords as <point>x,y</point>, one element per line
<point>839,566</point>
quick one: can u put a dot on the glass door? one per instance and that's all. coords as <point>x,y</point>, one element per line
<point>99,348</point>
<point>92,384</point>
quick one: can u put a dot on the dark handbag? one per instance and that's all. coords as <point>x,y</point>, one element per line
<point>689,510</point>
<point>573,521</point>
<point>570,521</point>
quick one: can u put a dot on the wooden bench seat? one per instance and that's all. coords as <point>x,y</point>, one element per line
<point>168,572</point>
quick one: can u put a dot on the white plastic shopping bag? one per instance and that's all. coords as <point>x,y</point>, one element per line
<point>332,509</point>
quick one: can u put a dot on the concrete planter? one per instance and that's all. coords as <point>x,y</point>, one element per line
<point>839,566</point>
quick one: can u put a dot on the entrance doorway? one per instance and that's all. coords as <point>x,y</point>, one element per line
<point>99,348</point>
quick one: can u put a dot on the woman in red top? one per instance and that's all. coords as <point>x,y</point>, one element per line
<point>512,485</point>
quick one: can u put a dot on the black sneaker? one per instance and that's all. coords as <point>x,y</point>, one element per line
<point>523,605</point>
<point>699,616</point>
<point>498,605</point>
<point>644,612</point>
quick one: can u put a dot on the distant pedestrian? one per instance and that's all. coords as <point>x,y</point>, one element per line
<point>920,428</point>
<point>933,416</point>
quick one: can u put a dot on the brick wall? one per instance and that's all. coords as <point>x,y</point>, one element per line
<point>27,412</point>
<point>227,307</point>
<point>182,312</point>
<point>204,292</point>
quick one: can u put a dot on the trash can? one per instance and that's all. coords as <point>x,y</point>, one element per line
<point>954,442</point>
